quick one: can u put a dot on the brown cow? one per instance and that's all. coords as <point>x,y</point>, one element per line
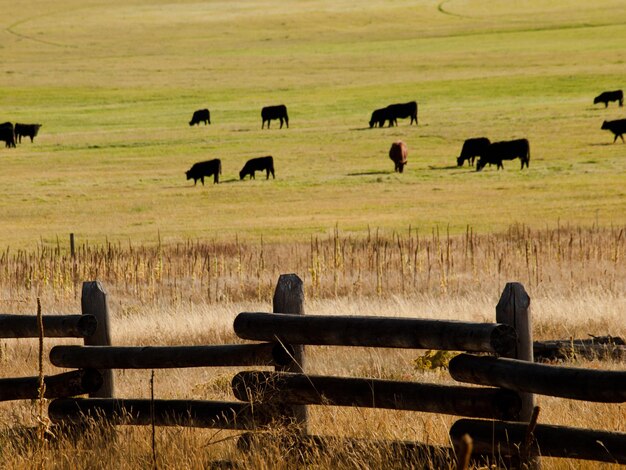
<point>398,153</point>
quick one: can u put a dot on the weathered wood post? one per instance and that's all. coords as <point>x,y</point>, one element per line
<point>514,309</point>
<point>289,298</point>
<point>94,302</point>
<point>72,248</point>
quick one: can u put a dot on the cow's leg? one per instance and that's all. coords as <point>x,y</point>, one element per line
<point>202,179</point>
<point>281,123</point>
<point>622,136</point>
<point>216,177</point>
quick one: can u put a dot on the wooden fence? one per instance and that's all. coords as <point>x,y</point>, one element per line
<point>505,403</point>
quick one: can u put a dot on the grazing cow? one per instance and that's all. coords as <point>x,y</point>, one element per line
<point>274,112</point>
<point>258,164</point>
<point>26,130</point>
<point>7,133</point>
<point>379,116</point>
<point>605,97</point>
<point>617,127</point>
<point>202,115</point>
<point>201,169</point>
<point>505,150</point>
<point>472,148</point>
<point>401,111</point>
<point>398,154</point>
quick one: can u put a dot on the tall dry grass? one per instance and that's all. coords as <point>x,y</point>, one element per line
<point>189,293</point>
<point>562,260</point>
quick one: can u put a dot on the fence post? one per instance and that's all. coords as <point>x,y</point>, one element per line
<point>514,309</point>
<point>289,298</point>
<point>94,302</point>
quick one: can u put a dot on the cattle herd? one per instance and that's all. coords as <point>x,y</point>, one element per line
<point>487,152</point>
<point>11,134</point>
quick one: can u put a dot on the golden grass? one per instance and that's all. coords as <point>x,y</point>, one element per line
<point>167,295</point>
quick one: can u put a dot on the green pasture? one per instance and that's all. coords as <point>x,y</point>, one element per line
<point>115,83</point>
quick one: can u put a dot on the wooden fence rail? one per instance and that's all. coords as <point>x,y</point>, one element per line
<point>412,454</point>
<point>144,412</point>
<point>67,384</point>
<point>550,440</point>
<point>301,389</point>
<point>383,332</point>
<point>163,357</point>
<point>557,381</point>
<point>54,326</point>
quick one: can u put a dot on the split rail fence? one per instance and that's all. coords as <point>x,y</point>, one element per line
<point>500,416</point>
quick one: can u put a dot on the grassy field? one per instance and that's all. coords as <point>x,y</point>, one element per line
<point>114,86</point>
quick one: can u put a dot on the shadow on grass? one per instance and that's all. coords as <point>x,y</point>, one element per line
<point>605,144</point>
<point>451,167</point>
<point>371,173</point>
<point>205,185</point>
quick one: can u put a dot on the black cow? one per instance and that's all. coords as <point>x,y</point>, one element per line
<point>617,127</point>
<point>202,115</point>
<point>401,111</point>
<point>201,169</point>
<point>505,150</point>
<point>379,116</point>
<point>7,133</point>
<point>258,164</point>
<point>472,148</point>
<point>26,130</point>
<point>274,112</point>
<point>606,96</point>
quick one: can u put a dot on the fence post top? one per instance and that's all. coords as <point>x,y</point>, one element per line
<point>516,291</point>
<point>289,295</point>
<point>93,285</point>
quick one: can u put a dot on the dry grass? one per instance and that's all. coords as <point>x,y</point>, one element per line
<point>189,294</point>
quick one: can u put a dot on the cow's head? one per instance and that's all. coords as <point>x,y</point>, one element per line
<point>460,161</point>
<point>480,164</point>
<point>188,174</point>
<point>605,125</point>
<point>242,175</point>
